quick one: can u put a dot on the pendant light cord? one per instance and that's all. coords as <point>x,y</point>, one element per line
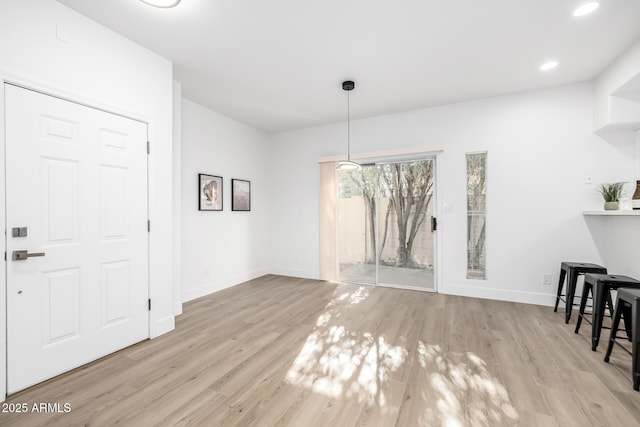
<point>348,128</point>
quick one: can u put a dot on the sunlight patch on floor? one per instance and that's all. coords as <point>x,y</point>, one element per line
<point>456,388</point>
<point>463,389</point>
<point>339,363</point>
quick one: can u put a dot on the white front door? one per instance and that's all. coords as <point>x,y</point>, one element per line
<point>77,187</point>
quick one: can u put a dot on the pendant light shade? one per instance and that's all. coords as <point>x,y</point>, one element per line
<point>348,164</point>
<point>161,3</point>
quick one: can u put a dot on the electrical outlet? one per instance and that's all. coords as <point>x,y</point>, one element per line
<point>546,279</point>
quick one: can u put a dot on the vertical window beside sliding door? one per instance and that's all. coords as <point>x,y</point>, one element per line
<point>476,215</point>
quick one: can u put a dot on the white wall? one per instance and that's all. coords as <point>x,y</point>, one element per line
<point>97,66</point>
<point>222,249</point>
<point>540,144</point>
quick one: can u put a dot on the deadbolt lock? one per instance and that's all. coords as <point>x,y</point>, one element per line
<point>19,232</point>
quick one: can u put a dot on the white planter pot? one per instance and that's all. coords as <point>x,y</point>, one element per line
<point>611,206</point>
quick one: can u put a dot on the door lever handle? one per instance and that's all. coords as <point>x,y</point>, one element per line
<point>23,255</point>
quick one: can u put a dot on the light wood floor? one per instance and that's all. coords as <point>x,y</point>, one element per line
<point>293,352</point>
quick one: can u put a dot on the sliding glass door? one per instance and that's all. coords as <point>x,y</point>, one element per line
<point>385,224</point>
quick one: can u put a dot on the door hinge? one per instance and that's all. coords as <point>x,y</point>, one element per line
<point>434,223</point>
<point>148,147</point>
<point>149,304</point>
<point>148,226</point>
<point>5,256</point>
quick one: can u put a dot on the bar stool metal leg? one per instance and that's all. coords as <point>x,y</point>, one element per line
<point>635,340</point>
<point>571,291</point>
<point>563,274</point>
<point>614,328</point>
<point>583,304</point>
<point>599,301</point>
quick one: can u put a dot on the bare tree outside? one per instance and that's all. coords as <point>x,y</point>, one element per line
<point>407,188</point>
<point>476,215</point>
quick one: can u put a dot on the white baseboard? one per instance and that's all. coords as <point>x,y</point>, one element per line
<point>536,298</point>
<point>162,326</point>
<point>303,274</point>
<point>177,308</point>
<point>209,288</point>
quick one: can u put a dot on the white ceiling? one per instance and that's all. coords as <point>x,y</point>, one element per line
<point>278,64</point>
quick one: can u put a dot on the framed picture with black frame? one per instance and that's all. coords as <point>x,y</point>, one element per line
<point>209,192</point>
<point>240,195</point>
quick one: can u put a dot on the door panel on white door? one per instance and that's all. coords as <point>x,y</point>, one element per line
<point>60,200</point>
<point>115,282</point>
<point>77,179</point>
<point>112,140</point>
<point>61,302</point>
<point>58,129</point>
<point>113,190</point>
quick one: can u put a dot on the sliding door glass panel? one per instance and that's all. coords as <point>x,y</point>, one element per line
<point>385,225</point>
<point>357,193</point>
<point>405,238</point>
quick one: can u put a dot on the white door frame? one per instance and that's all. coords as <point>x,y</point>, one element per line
<point>151,200</point>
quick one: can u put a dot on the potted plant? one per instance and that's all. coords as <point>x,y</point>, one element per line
<point>611,194</point>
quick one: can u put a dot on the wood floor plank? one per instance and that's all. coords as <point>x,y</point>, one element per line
<point>519,381</point>
<point>629,399</point>
<point>567,407</point>
<point>534,419</point>
<point>269,411</point>
<point>306,410</point>
<point>386,408</point>
<point>279,351</point>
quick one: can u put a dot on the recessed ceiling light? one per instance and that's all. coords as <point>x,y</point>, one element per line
<point>161,3</point>
<point>550,65</point>
<point>586,8</point>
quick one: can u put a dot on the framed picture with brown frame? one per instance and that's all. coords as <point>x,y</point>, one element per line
<point>210,192</point>
<point>240,195</point>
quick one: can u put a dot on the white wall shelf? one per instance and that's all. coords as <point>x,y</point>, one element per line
<point>612,213</point>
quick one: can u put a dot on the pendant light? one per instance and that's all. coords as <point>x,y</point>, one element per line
<point>348,164</point>
<point>161,3</point>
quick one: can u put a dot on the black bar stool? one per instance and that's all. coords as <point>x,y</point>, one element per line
<point>600,286</point>
<point>571,270</point>
<point>628,302</point>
